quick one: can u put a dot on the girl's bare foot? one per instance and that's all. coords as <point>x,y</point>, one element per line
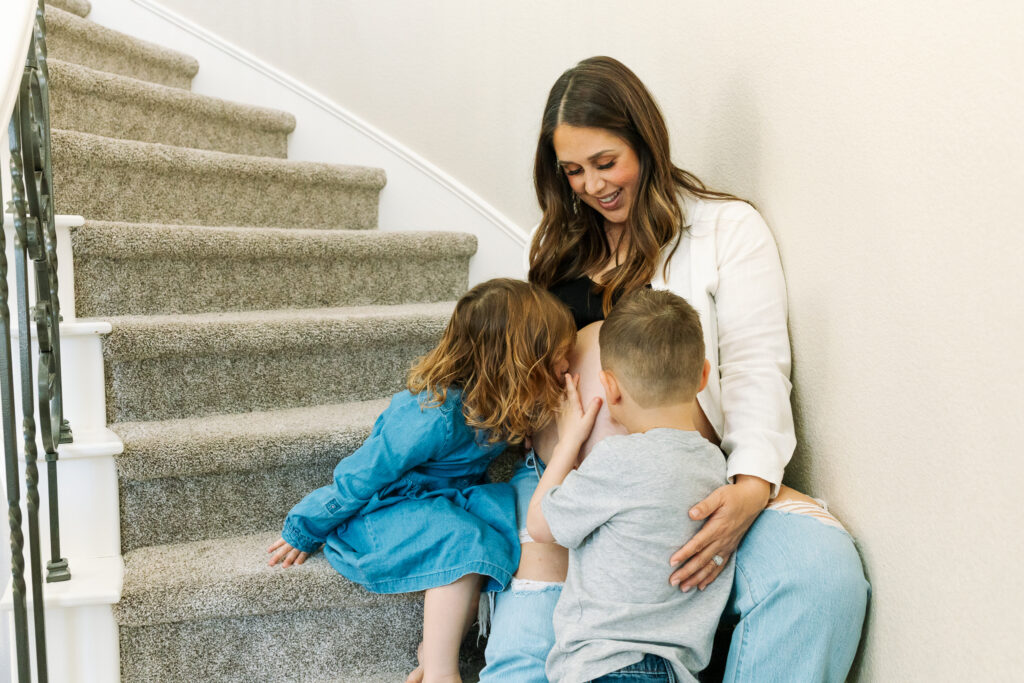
<point>416,676</point>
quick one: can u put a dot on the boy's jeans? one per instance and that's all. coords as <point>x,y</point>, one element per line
<point>650,669</point>
<point>799,596</point>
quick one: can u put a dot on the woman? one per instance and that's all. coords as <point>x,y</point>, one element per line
<point>618,215</point>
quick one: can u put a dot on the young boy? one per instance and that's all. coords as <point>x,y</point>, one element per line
<point>623,512</point>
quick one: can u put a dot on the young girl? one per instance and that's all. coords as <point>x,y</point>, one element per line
<point>408,510</point>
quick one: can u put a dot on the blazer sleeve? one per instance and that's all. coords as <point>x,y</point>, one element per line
<point>404,436</point>
<point>753,349</point>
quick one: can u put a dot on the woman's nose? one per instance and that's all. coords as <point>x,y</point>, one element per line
<point>593,183</point>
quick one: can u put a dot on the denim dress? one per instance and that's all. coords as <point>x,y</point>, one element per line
<point>410,509</point>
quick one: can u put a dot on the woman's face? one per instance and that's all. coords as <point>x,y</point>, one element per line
<point>601,167</point>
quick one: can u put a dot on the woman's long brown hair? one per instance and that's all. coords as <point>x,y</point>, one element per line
<point>601,92</point>
<point>500,348</point>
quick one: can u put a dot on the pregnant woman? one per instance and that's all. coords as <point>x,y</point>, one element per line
<point>618,216</point>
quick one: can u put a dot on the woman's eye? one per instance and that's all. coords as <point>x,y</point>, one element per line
<point>575,171</point>
<point>605,167</point>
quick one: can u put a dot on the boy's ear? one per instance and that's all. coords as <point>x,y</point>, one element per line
<point>612,392</point>
<point>704,375</point>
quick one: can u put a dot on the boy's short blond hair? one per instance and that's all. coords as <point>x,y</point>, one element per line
<point>653,343</point>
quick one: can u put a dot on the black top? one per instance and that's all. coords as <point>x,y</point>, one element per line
<point>583,298</point>
<point>580,296</point>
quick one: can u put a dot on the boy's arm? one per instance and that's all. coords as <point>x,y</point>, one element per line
<point>574,426</point>
<point>562,460</point>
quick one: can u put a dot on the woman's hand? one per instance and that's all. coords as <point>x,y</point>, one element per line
<point>729,511</point>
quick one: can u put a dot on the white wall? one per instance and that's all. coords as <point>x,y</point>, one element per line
<point>882,142</point>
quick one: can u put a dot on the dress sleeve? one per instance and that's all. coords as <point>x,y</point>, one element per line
<point>577,507</point>
<point>753,350</point>
<point>404,436</point>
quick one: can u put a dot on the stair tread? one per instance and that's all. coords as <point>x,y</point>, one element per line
<point>118,86</point>
<point>123,107</point>
<point>116,239</point>
<point>152,336</point>
<point>229,577</point>
<point>80,8</point>
<point>113,179</point>
<point>239,442</point>
<point>176,366</point>
<point>99,148</point>
<point>70,36</point>
<point>208,269</point>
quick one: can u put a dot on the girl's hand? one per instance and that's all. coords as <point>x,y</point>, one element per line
<point>574,423</point>
<point>283,551</point>
<point>729,510</point>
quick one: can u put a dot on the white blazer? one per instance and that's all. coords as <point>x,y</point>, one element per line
<point>727,266</point>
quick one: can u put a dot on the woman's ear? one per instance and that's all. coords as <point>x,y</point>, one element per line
<point>704,375</point>
<point>612,392</point>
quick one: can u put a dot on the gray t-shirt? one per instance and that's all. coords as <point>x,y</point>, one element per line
<point>622,514</point>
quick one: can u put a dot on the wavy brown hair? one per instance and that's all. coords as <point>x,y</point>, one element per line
<point>601,92</point>
<point>500,349</point>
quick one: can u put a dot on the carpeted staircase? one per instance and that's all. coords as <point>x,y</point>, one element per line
<point>259,322</point>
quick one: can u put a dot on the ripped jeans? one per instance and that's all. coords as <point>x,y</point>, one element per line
<point>798,600</point>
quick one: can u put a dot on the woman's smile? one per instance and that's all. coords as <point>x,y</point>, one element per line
<point>610,202</point>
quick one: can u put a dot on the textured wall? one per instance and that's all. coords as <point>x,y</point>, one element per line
<point>882,142</point>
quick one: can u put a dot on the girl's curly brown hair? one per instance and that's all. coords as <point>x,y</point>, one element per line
<point>500,348</point>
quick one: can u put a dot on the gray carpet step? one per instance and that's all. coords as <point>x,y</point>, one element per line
<point>70,38</point>
<point>201,472</point>
<point>123,180</point>
<point>116,106</point>
<point>79,7</point>
<point>173,366</point>
<point>244,442</point>
<point>214,610</point>
<point>202,269</point>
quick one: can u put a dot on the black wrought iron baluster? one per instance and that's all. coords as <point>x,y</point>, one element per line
<point>28,238</point>
<point>35,237</point>
<point>11,470</point>
<point>36,148</point>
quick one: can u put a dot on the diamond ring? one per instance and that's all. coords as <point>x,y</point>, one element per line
<point>718,560</point>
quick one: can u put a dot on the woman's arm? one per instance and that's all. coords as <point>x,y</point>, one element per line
<point>754,365</point>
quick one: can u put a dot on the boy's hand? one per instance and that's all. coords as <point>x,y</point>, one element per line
<point>282,550</point>
<point>574,423</point>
